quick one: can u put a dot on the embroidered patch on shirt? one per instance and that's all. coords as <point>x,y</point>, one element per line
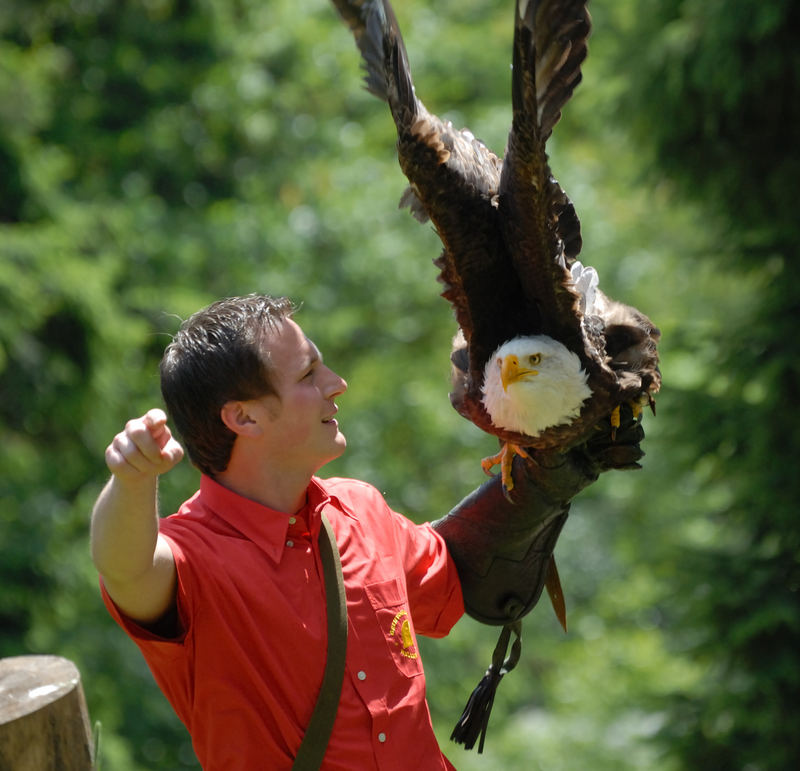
<point>400,632</point>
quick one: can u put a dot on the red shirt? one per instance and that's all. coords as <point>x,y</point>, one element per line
<point>245,674</point>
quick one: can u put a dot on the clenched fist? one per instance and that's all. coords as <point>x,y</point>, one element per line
<point>145,447</point>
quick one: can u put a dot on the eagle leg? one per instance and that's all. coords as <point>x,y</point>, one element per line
<point>505,458</point>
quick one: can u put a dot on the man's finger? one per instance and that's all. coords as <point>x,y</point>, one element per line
<point>141,435</point>
<point>171,452</point>
<point>156,422</point>
<point>123,456</point>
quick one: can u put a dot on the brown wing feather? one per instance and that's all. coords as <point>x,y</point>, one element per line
<point>549,47</point>
<point>454,180</point>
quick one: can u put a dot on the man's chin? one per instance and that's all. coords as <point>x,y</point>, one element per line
<point>340,445</point>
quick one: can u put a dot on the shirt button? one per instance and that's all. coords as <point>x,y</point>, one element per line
<point>362,675</point>
<point>292,520</point>
<point>290,544</point>
<point>381,737</point>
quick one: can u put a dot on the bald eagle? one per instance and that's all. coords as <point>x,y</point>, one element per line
<point>542,355</point>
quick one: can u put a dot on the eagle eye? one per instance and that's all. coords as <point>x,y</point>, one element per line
<point>534,359</point>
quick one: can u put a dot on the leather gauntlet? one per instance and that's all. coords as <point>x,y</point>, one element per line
<point>503,544</point>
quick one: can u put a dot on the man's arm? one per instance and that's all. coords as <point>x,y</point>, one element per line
<point>135,562</point>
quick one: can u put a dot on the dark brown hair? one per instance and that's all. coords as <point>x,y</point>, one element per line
<point>215,357</point>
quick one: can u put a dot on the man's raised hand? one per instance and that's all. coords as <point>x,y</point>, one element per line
<point>144,448</point>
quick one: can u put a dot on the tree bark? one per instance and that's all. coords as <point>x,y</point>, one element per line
<point>44,723</point>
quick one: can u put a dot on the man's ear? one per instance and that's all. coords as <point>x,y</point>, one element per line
<point>239,417</point>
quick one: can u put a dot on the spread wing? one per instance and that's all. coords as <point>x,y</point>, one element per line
<point>549,48</point>
<point>453,180</point>
<point>509,232</point>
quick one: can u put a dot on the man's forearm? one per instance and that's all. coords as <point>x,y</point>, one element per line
<point>137,566</point>
<point>124,530</point>
<point>502,548</point>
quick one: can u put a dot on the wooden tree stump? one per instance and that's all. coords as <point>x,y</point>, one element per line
<point>44,724</point>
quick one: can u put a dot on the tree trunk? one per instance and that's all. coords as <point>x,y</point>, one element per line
<point>44,724</point>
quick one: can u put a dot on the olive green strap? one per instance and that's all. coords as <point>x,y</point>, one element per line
<point>315,742</point>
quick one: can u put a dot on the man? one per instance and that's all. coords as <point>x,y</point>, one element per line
<point>226,599</point>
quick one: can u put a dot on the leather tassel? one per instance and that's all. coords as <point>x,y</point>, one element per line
<point>474,719</point>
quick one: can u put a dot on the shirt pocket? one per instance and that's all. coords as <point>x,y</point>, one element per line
<point>390,604</point>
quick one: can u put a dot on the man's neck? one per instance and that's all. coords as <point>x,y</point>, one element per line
<point>276,491</point>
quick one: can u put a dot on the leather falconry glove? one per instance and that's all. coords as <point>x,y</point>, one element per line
<point>502,544</point>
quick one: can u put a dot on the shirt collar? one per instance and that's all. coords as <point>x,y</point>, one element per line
<point>264,526</point>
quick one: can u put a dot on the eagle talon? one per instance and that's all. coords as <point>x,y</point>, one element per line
<point>505,458</point>
<point>615,421</point>
<point>487,464</point>
<point>615,417</point>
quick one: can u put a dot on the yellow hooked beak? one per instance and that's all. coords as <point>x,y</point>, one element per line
<point>511,371</point>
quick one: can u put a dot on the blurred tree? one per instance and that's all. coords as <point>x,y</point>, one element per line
<point>714,99</point>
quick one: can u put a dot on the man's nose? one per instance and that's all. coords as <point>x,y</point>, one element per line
<point>337,386</point>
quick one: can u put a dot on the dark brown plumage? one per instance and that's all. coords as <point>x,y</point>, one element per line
<point>510,234</point>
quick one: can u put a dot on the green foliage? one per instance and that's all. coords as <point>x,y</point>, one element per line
<point>155,156</point>
<point>726,74</point>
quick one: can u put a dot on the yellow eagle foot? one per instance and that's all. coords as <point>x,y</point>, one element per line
<point>636,411</point>
<point>505,458</point>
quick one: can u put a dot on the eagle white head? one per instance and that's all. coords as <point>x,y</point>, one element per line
<point>532,383</point>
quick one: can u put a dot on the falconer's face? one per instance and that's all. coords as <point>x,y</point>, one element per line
<point>302,414</point>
